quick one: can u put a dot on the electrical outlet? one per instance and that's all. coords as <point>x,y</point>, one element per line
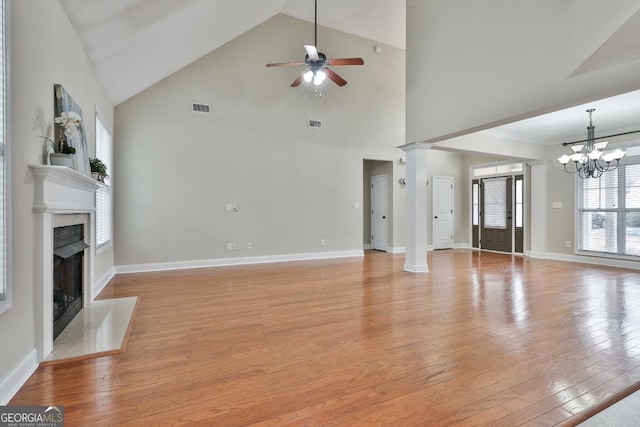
<point>229,207</point>
<point>233,247</point>
<point>229,247</point>
<point>249,245</point>
<point>321,242</point>
<point>568,243</point>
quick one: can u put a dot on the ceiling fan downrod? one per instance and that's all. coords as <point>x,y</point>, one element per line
<point>315,25</point>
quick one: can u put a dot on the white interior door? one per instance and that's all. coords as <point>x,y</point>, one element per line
<point>379,212</point>
<point>442,212</point>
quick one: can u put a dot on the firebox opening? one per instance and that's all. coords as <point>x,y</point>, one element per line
<point>68,266</point>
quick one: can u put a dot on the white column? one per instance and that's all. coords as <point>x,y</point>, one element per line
<point>416,207</point>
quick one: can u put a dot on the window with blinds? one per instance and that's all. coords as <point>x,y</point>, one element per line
<point>609,211</point>
<point>495,203</point>
<point>5,291</point>
<point>104,149</point>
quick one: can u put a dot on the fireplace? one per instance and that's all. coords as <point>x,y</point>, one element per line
<point>62,197</point>
<point>68,266</point>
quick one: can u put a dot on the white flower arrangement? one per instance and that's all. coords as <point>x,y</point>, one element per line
<point>70,121</point>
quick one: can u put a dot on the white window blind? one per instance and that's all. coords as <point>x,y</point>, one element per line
<point>4,291</point>
<point>104,149</point>
<point>609,211</point>
<point>599,213</point>
<point>495,203</point>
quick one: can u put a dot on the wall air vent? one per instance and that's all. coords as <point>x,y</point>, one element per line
<point>197,107</point>
<point>315,124</point>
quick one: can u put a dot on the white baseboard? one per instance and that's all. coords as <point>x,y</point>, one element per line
<point>396,250</point>
<point>16,379</point>
<point>461,246</point>
<point>221,262</point>
<point>402,249</point>
<point>100,284</point>
<point>608,262</point>
<point>536,254</point>
<point>366,246</point>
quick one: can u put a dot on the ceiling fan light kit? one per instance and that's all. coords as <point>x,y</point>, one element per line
<point>318,65</point>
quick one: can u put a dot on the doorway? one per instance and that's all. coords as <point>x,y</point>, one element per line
<point>377,206</point>
<point>497,213</point>
<point>442,226</point>
<point>379,212</point>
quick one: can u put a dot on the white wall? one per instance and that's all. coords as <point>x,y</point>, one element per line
<point>471,63</point>
<point>45,51</point>
<point>292,185</point>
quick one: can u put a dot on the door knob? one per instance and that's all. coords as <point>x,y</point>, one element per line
<point>384,217</point>
<point>435,217</point>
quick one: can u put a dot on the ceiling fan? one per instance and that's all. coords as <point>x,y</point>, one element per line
<point>317,63</point>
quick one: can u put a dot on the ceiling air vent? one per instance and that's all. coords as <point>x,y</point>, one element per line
<point>315,124</point>
<point>197,107</point>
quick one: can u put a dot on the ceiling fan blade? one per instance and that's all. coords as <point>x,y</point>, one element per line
<point>285,64</point>
<point>312,52</point>
<point>297,81</point>
<point>335,77</point>
<point>345,61</point>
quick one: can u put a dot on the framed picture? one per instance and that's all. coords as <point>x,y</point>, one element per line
<point>64,102</point>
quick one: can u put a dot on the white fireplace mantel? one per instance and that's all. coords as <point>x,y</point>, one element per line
<point>62,190</point>
<point>58,191</point>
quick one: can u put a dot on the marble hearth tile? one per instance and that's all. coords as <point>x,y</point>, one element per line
<point>98,328</point>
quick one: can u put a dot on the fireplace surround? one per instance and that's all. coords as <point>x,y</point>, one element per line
<point>62,197</point>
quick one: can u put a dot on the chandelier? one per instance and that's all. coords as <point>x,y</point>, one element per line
<point>590,160</point>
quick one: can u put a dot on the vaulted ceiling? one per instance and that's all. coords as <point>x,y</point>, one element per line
<point>135,43</point>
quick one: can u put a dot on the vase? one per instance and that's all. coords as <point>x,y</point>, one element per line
<point>61,159</point>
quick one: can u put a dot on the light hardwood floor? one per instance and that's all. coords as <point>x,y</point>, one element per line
<point>483,339</point>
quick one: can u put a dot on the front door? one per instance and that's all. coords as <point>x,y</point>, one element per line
<point>496,223</point>
<point>379,212</point>
<point>442,212</point>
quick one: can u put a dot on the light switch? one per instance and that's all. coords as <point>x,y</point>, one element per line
<point>557,205</point>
